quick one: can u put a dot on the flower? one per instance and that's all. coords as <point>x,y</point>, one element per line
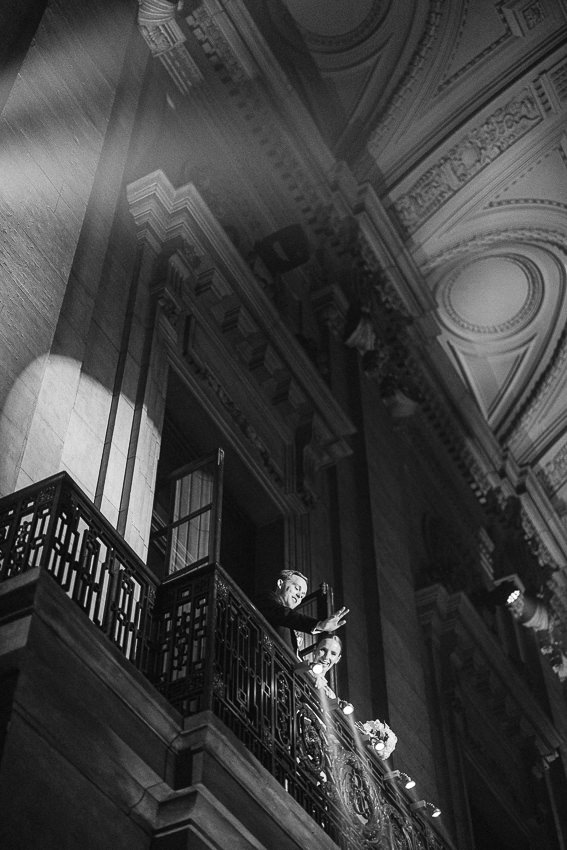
<point>380,734</point>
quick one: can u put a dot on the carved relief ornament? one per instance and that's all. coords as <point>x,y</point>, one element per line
<point>474,152</point>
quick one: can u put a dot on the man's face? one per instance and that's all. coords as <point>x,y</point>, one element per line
<point>292,590</point>
<point>328,653</point>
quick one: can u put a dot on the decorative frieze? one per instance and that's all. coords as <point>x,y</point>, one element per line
<point>476,244</point>
<point>164,37</point>
<point>537,398</point>
<point>523,18</point>
<point>220,42</point>
<point>534,14</point>
<point>239,418</point>
<point>558,78</point>
<point>555,470</point>
<point>409,79</point>
<point>474,152</point>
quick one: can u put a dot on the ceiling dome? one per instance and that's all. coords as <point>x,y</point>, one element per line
<point>494,295</point>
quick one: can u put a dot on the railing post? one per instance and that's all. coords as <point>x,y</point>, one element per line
<point>211,673</point>
<point>58,483</point>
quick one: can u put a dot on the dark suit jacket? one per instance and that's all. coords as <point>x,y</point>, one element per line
<point>284,620</point>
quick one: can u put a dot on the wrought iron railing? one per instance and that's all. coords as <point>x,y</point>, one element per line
<point>205,646</point>
<point>54,526</point>
<point>214,651</point>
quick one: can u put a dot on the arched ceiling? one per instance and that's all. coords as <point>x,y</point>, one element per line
<point>456,113</point>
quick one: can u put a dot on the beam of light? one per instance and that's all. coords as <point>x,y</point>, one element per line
<point>57,113</point>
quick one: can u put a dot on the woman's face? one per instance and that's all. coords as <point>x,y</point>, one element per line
<point>328,653</point>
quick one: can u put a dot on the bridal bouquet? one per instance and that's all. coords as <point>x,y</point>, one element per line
<point>382,739</point>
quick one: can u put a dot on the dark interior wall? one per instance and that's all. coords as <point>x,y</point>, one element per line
<point>8,682</point>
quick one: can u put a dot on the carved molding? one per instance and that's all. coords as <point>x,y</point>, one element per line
<point>262,375</point>
<point>220,42</point>
<point>411,76</point>
<point>539,395</point>
<point>479,57</point>
<point>558,79</point>
<point>156,13</point>
<point>555,470</point>
<point>239,418</point>
<point>221,45</point>
<point>556,238</point>
<point>165,38</point>
<point>522,20</point>
<point>474,152</point>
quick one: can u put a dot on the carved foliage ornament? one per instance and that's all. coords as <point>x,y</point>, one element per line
<point>165,38</point>
<point>156,19</point>
<point>466,159</point>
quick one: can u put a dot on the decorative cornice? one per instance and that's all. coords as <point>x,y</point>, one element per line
<point>221,43</point>
<point>164,37</point>
<point>554,472</point>
<point>411,76</point>
<point>531,236</point>
<point>239,418</point>
<point>558,79</point>
<point>528,202</point>
<point>156,13</point>
<point>551,375</point>
<point>265,374</point>
<point>522,21</point>
<point>472,154</point>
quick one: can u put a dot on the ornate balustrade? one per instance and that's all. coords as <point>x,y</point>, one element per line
<point>54,526</point>
<point>214,651</point>
<point>206,647</point>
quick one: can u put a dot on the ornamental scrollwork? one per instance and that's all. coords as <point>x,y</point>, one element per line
<point>219,687</point>
<point>267,644</point>
<point>467,158</point>
<point>223,591</point>
<point>359,796</point>
<point>283,710</point>
<point>312,743</point>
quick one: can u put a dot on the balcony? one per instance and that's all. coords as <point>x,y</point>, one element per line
<point>206,649</point>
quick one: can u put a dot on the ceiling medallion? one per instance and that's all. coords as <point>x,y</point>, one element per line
<point>495,295</point>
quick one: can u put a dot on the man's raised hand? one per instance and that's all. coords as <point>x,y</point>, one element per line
<point>335,621</point>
